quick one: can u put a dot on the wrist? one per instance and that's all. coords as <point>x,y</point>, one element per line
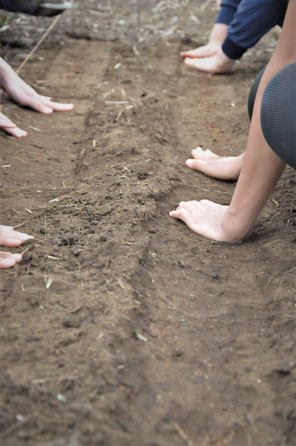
<point>223,63</point>
<point>218,34</point>
<point>235,227</point>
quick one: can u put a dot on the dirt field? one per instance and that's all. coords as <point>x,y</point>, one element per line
<point>121,327</point>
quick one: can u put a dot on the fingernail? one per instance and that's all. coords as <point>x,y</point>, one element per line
<point>189,162</point>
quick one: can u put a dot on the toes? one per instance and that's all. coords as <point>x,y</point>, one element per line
<point>7,260</point>
<point>21,236</point>
<point>6,122</point>
<point>18,133</point>
<point>9,237</point>
<point>17,257</point>
<point>10,242</point>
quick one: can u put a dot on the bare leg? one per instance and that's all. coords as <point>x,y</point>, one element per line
<point>10,237</point>
<point>261,167</point>
<point>222,168</point>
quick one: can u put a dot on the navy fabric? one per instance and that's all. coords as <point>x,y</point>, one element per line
<point>248,21</point>
<point>278,114</point>
<point>227,11</point>
<point>6,4</point>
<point>20,5</point>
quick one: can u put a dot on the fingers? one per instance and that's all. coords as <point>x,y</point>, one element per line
<point>188,205</point>
<point>199,153</point>
<point>202,51</point>
<point>39,105</point>
<point>194,164</point>
<point>181,214</point>
<point>57,106</point>
<point>7,260</point>
<point>45,105</point>
<point>206,64</point>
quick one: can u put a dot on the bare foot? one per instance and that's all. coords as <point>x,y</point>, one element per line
<point>7,260</point>
<point>218,63</point>
<point>222,168</point>
<point>10,237</point>
<point>203,217</point>
<point>11,128</point>
<point>203,51</point>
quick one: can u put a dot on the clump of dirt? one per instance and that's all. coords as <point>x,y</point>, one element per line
<point>121,326</point>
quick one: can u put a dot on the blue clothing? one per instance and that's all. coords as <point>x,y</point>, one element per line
<point>248,21</point>
<point>28,7</point>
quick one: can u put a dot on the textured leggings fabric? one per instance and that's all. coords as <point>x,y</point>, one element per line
<point>278,112</point>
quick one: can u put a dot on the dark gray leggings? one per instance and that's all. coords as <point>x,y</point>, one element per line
<point>278,112</point>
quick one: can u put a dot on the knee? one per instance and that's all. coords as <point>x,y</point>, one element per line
<point>278,114</point>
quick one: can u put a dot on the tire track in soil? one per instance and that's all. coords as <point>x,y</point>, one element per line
<point>210,341</point>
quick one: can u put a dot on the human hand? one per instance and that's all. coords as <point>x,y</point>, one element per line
<point>208,50</point>
<point>203,217</point>
<point>216,64</point>
<point>25,95</point>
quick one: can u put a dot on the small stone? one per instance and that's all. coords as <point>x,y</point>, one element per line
<point>72,321</point>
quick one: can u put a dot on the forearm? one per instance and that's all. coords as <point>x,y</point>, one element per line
<point>219,33</point>
<point>251,21</point>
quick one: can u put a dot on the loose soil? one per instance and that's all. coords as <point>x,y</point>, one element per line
<point>121,326</point>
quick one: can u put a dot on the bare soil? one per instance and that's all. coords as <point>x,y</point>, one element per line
<point>121,326</point>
